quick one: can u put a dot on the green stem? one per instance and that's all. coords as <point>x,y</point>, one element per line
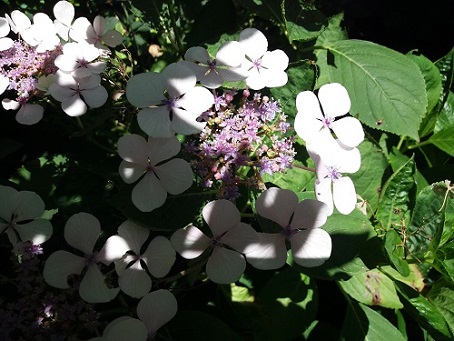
<point>173,20</point>
<point>420,144</point>
<point>401,141</point>
<point>305,168</point>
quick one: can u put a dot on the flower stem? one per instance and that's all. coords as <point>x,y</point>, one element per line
<point>305,168</point>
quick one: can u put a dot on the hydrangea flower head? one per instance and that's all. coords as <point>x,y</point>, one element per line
<point>212,73</point>
<point>318,117</point>
<point>20,214</point>
<point>300,223</point>
<point>42,34</point>
<point>64,15</point>
<point>170,100</point>
<point>81,232</point>
<point>230,240</point>
<point>332,186</point>
<point>266,68</point>
<point>144,159</point>
<point>158,258</point>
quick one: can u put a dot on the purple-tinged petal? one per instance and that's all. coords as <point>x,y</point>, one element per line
<point>197,54</point>
<point>176,175</point>
<point>114,249</point>
<point>311,247</point>
<point>124,328</point>
<point>160,149</point>
<point>241,237</point>
<point>149,193</point>
<point>277,205</point>
<point>179,79</point>
<point>59,266</point>
<point>135,282</point>
<point>310,213</point>
<point>131,172</point>
<point>134,234</point>
<point>29,114</point>
<point>37,231</point>
<point>220,216</point>
<point>225,266</point>
<point>156,122</point>
<point>190,242</point>
<point>269,253</point>
<point>156,309</point>
<point>82,231</point>
<point>133,148</point>
<point>95,97</point>
<point>64,12</point>
<point>93,288</point>
<point>159,257</point>
<point>230,53</point>
<point>27,205</point>
<point>145,89</point>
<point>186,123</point>
<point>74,106</point>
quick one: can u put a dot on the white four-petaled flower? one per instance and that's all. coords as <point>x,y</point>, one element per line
<point>144,159</point>
<point>171,101</point>
<point>300,223</point>
<point>229,241</point>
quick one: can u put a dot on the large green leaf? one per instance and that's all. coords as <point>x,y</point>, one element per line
<point>363,323</point>
<point>372,288</point>
<point>424,312</point>
<point>396,252</point>
<point>442,296</point>
<point>295,178</point>
<point>302,21</point>
<point>369,177</point>
<point>348,233</point>
<point>387,89</point>
<point>393,206</point>
<point>446,117</point>
<point>444,139</point>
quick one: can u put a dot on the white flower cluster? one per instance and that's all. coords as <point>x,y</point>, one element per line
<point>75,49</point>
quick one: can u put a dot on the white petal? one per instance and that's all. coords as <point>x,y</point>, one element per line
<point>4,27</point>
<point>133,148</point>
<point>197,54</point>
<point>197,100</point>
<point>134,234</point>
<point>190,242</point>
<point>64,12</point>
<point>277,205</point>
<point>334,99</point>
<point>241,237</point>
<point>255,80</point>
<point>80,29</point>
<point>254,43</point>
<point>97,67</point>
<point>210,78</point>
<point>311,247</point>
<point>220,216</point>
<point>61,264</point>
<point>29,114</point>
<point>99,25</point>
<point>9,104</point>
<point>74,106</point>
<point>156,309</point>
<point>93,288</point>
<point>225,266</point>
<point>114,248</point>
<point>145,89</point>
<point>307,120</point>
<point>27,205</point>
<point>82,231</point>
<point>7,205</point>
<point>125,328</point>
<point>269,253</point>
<point>5,44</point>
<point>131,172</point>
<point>160,149</point>
<point>91,82</point>
<point>349,131</point>
<point>230,53</point>
<point>185,123</point>
<point>37,231</point>
<point>149,193</point>
<point>95,97</point>
<point>19,21</point>
<point>310,213</point>
<point>274,78</point>
<point>60,93</point>
<point>323,192</point>
<point>275,60</point>
<point>179,79</point>
<point>156,122</point>
<point>349,160</point>
<point>135,283</point>
<point>159,256</point>
<point>4,82</point>
<point>344,195</point>
<point>233,75</point>
<point>176,175</point>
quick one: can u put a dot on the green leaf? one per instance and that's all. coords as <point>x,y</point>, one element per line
<point>301,77</point>
<point>432,79</point>
<point>267,9</point>
<point>424,312</point>
<point>446,67</point>
<point>363,323</point>
<point>414,280</point>
<point>393,206</point>
<point>303,22</point>
<point>397,159</point>
<point>289,300</point>
<point>446,117</point>
<point>348,233</point>
<point>442,296</point>
<point>295,179</point>
<point>395,249</point>
<point>369,177</point>
<point>444,260</point>
<point>444,139</point>
<point>384,85</point>
<point>372,288</point>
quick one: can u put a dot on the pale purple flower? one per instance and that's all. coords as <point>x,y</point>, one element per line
<point>266,68</point>
<point>81,232</point>
<point>143,160</point>
<point>229,241</point>
<point>42,34</point>
<point>18,21</point>
<point>20,214</point>
<point>213,72</point>
<point>28,114</point>
<point>76,93</point>
<point>300,222</point>
<point>64,15</point>
<point>158,259</point>
<point>171,101</point>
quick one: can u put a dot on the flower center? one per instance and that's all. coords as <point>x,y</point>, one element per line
<point>288,232</point>
<point>334,173</point>
<point>92,258</point>
<point>216,242</point>
<point>171,103</point>
<point>257,64</point>
<point>327,122</point>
